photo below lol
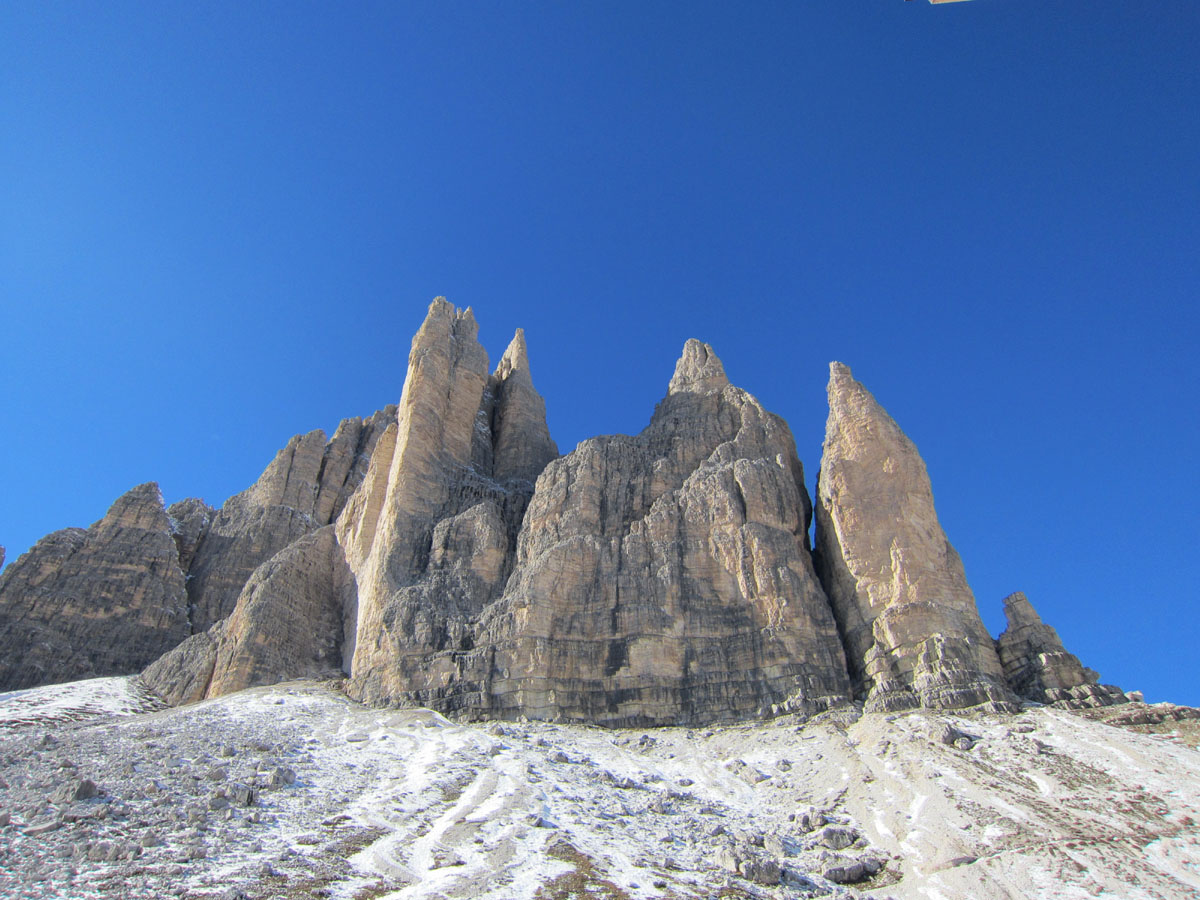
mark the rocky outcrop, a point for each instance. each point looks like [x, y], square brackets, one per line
[665, 578]
[288, 621]
[1038, 666]
[912, 632]
[432, 534]
[304, 488]
[190, 520]
[102, 601]
[182, 675]
[441, 553]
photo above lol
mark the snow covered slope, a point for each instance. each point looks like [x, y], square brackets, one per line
[294, 791]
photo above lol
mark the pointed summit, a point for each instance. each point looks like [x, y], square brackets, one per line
[1038, 666]
[139, 507]
[522, 444]
[698, 370]
[912, 631]
[515, 361]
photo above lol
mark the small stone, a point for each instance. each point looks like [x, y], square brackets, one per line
[837, 837]
[847, 874]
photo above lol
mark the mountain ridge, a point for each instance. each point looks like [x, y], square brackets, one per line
[442, 553]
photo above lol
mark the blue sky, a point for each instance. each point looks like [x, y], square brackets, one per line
[221, 224]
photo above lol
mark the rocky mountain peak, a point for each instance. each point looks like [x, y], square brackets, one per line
[139, 507]
[440, 552]
[1038, 666]
[515, 361]
[698, 370]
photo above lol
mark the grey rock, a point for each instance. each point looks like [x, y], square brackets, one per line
[1039, 668]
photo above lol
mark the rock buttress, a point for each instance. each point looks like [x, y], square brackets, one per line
[665, 578]
[102, 601]
[1038, 666]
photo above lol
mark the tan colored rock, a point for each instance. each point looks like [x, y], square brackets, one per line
[912, 630]
[431, 536]
[1038, 666]
[303, 489]
[523, 445]
[102, 601]
[665, 578]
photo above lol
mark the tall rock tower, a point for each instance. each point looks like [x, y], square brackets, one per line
[912, 632]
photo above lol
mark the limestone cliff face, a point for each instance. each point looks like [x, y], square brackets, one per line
[431, 536]
[304, 488]
[441, 553]
[665, 578]
[102, 601]
[912, 631]
[1038, 666]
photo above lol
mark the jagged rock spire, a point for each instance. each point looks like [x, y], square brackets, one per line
[912, 631]
[522, 445]
[434, 540]
[698, 370]
[1038, 666]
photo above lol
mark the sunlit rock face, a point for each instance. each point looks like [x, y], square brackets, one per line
[441, 553]
[1038, 666]
[665, 577]
[105, 600]
[912, 632]
[431, 538]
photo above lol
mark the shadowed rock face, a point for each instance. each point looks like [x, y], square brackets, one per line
[102, 601]
[912, 631]
[304, 488]
[1039, 668]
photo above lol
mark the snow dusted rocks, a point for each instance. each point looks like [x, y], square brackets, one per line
[293, 791]
[102, 601]
[1039, 668]
[912, 631]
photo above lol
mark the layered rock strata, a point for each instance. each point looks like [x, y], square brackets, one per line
[912, 632]
[1039, 668]
[666, 578]
[102, 601]
[441, 553]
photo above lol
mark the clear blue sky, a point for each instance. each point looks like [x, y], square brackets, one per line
[221, 223]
